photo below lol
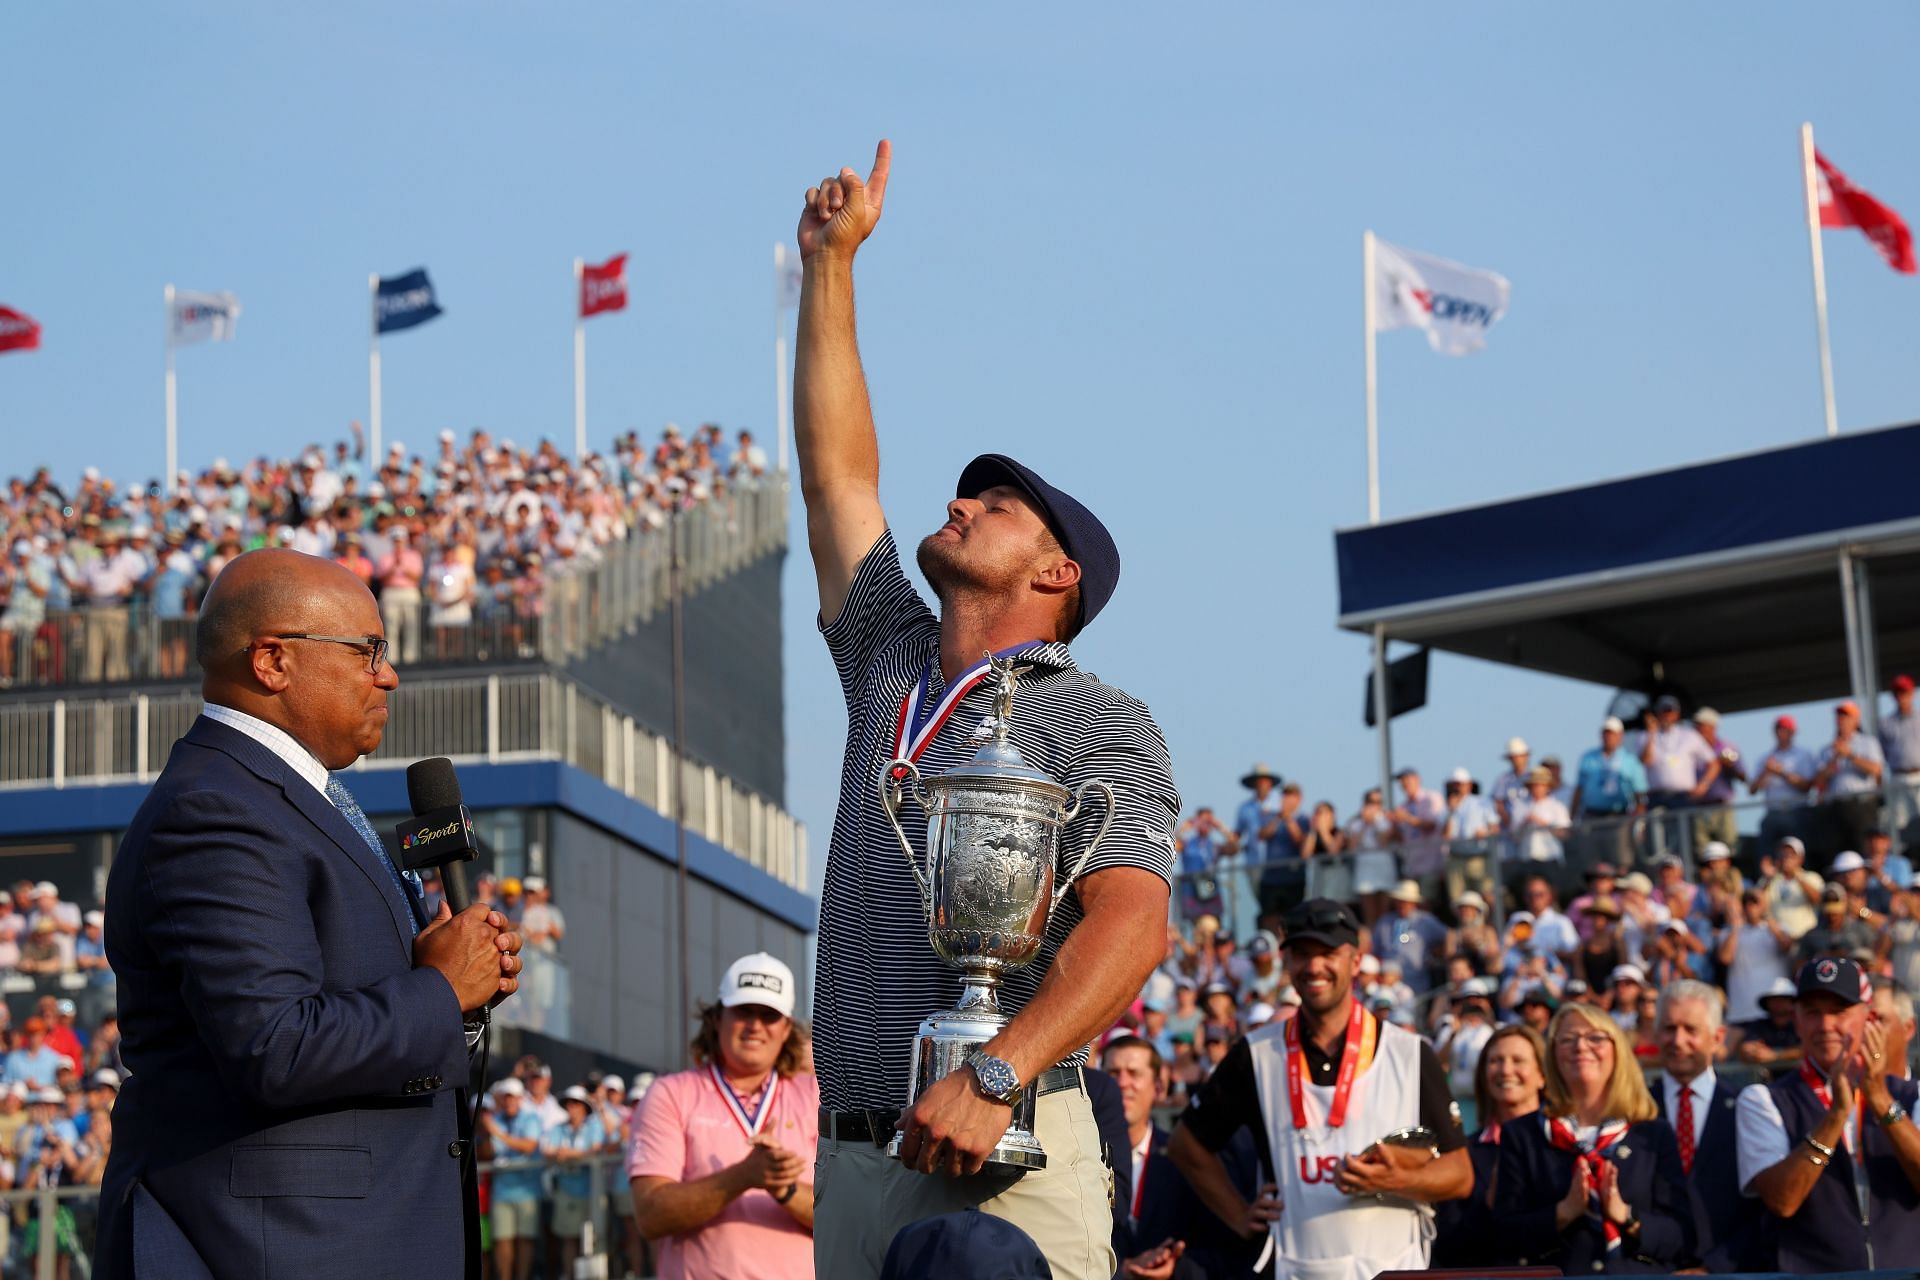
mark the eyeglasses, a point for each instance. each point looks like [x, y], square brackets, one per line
[376, 646]
[1593, 1043]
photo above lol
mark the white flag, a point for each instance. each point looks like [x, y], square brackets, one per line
[1456, 305]
[203, 317]
[786, 277]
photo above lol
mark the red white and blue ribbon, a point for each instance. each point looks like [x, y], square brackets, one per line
[921, 720]
[749, 1124]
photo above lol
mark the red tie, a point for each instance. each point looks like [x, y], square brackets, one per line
[1685, 1129]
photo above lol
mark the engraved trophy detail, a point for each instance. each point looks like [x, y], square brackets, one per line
[993, 837]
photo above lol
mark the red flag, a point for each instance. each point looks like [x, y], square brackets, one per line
[604, 288]
[1844, 205]
[18, 330]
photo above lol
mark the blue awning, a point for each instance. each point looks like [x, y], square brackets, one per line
[1720, 577]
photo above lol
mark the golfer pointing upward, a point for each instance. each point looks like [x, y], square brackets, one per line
[1019, 567]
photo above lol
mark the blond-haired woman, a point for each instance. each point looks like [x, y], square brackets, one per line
[1593, 1181]
[1509, 1082]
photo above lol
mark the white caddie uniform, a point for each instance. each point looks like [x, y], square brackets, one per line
[1323, 1233]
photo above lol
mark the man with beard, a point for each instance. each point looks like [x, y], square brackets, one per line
[1323, 1092]
[1831, 1149]
[1019, 567]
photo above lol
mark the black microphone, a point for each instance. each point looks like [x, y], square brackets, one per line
[440, 833]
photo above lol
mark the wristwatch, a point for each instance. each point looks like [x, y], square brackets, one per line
[1892, 1116]
[781, 1197]
[995, 1077]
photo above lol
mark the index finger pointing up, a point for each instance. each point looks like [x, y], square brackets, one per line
[877, 180]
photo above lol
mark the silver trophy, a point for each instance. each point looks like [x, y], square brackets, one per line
[993, 831]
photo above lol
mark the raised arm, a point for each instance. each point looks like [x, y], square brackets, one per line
[833, 420]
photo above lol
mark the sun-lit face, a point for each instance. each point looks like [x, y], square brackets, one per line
[995, 542]
[1585, 1055]
[1514, 1076]
[1689, 1038]
[1131, 1067]
[1829, 1027]
[751, 1037]
[1322, 975]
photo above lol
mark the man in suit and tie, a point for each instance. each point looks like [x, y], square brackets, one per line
[297, 1029]
[1730, 1230]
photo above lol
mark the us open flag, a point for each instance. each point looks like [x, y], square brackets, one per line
[18, 330]
[202, 317]
[1844, 205]
[1456, 305]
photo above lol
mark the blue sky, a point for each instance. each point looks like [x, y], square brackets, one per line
[1121, 243]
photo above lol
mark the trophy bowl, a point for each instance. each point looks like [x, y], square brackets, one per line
[993, 837]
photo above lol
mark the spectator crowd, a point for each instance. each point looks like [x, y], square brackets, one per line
[101, 582]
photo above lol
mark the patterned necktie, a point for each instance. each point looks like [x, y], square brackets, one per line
[1684, 1128]
[350, 810]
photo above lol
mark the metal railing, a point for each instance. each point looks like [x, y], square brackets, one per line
[581, 604]
[504, 717]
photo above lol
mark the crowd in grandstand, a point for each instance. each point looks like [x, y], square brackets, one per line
[457, 544]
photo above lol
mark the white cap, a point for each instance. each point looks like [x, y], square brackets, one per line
[1706, 715]
[613, 1082]
[49, 1095]
[446, 435]
[1261, 1014]
[1369, 963]
[534, 884]
[1781, 986]
[758, 979]
[1715, 852]
[1516, 747]
[509, 1088]
[95, 917]
[1520, 917]
[1845, 861]
[46, 886]
[1793, 843]
[641, 1083]
[1288, 998]
[1612, 725]
[574, 1093]
[1460, 775]
[107, 1077]
[1627, 973]
[1470, 899]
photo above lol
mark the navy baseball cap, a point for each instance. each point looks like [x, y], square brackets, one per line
[1082, 536]
[965, 1243]
[1837, 977]
[1324, 921]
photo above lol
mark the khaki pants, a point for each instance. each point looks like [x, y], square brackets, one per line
[862, 1196]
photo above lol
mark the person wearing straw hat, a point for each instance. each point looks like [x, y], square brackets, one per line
[569, 1145]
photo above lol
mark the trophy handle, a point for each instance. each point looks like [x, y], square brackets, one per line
[1073, 811]
[892, 796]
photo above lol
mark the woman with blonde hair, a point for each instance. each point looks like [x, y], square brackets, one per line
[1592, 1181]
[1509, 1082]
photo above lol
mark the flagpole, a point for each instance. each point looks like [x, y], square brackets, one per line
[373, 374]
[782, 403]
[1812, 183]
[173, 401]
[1380, 699]
[579, 369]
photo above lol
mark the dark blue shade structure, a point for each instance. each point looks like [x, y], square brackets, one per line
[1721, 578]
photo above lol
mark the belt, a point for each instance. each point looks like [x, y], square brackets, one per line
[875, 1124]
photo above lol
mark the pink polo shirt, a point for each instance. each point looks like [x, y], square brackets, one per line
[684, 1129]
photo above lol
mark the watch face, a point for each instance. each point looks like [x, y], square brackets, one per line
[996, 1077]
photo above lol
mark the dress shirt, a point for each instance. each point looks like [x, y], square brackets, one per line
[1140, 1151]
[1701, 1086]
[274, 739]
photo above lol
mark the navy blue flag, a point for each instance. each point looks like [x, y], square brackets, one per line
[404, 301]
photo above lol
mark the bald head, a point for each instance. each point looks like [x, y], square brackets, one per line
[295, 640]
[273, 589]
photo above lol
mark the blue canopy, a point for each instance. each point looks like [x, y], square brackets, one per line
[1721, 578]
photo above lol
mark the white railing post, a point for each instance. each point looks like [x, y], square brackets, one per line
[493, 718]
[610, 771]
[663, 764]
[59, 742]
[726, 816]
[140, 756]
[626, 755]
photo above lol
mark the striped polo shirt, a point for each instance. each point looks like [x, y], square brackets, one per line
[876, 975]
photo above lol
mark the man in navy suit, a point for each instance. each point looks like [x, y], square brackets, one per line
[293, 1022]
[1731, 1233]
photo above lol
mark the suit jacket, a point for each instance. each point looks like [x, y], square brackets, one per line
[1732, 1232]
[1170, 1210]
[293, 1106]
[1534, 1176]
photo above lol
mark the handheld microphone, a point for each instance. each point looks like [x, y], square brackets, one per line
[440, 833]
